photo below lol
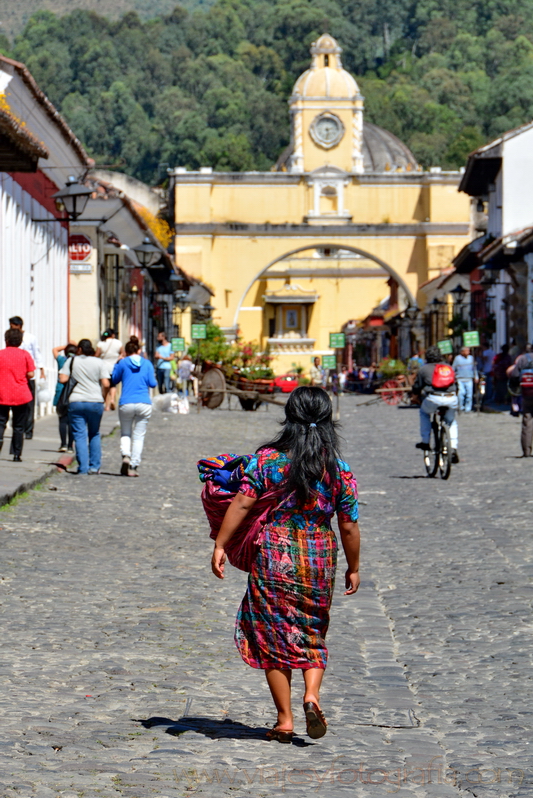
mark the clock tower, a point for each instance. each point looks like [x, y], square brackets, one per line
[326, 114]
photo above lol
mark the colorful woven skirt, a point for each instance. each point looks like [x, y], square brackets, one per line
[284, 615]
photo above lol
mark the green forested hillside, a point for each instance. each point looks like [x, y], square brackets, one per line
[210, 87]
[14, 14]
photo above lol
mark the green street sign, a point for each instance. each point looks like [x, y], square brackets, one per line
[445, 347]
[329, 361]
[471, 338]
[198, 331]
[177, 344]
[337, 341]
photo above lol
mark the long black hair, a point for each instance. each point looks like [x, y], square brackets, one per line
[308, 435]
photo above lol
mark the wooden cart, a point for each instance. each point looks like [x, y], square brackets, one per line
[251, 393]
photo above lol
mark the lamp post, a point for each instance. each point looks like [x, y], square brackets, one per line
[459, 294]
[73, 198]
[147, 253]
[436, 306]
[181, 299]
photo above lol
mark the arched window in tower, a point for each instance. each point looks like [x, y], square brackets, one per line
[326, 60]
[328, 200]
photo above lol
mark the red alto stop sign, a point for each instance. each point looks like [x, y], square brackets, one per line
[79, 247]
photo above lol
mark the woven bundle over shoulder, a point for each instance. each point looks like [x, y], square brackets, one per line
[222, 477]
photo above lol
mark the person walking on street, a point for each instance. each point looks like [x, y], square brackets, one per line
[16, 370]
[163, 357]
[500, 365]
[284, 615]
[137, 376]
[185, 370]
[466, 375]
[434, 396]
[109, 348]
[65, 430]
[86, 404]
[317, 373]
[486, 361]
[29, 344]
[522, 368]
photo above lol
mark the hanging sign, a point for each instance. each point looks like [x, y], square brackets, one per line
[198, 331]
[80, 248]
[177, 344]
[471, 338]
[445, 347]
[337, 340]
[329, 361]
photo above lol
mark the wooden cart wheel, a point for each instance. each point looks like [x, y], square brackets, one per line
[390, 393]
[212, 388]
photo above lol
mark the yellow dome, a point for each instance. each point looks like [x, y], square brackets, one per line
[326, 77]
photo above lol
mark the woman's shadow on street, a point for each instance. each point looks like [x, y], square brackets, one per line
[212, 728]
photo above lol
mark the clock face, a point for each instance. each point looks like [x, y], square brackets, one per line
[327, 130]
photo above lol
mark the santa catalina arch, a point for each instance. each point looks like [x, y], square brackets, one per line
[294, 253]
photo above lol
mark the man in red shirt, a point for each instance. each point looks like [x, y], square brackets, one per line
[16, 368]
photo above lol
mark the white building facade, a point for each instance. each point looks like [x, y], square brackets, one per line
[38, 152]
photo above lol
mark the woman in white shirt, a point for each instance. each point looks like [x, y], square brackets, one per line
[109, 349]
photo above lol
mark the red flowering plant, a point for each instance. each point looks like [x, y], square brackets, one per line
[250, 362]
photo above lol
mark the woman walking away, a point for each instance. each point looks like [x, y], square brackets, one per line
[137, 377]
[16, 369]
[65, 430]
[86, 404]
[284, 615]
[109, 349]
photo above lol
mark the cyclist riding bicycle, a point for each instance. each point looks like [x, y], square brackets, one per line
[436, 386]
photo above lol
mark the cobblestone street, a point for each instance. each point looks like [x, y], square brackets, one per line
[119, 676]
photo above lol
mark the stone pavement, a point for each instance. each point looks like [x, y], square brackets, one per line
[119, 676]
[40, 457]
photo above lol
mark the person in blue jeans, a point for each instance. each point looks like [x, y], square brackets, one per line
[163, 358]
[86, 404]
[466, 374]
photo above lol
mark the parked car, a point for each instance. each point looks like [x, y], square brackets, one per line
[285, 383]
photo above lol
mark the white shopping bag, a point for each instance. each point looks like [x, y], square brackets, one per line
[183, 406]
[43, 392]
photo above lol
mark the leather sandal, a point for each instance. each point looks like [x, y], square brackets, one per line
[316, 722]
[279, 735]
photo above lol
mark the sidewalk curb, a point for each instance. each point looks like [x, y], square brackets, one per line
[60, 466]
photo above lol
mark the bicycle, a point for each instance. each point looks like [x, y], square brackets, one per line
[438, 457]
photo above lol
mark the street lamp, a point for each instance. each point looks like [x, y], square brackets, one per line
[181, 299]
[459, 293]
[73, 198]
[147, 253]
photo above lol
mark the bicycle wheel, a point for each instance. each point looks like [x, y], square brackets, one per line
[445, 454]
[431, 455]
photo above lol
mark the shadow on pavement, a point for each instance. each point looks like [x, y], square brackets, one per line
[214, 729]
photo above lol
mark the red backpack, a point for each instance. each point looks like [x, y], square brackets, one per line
[443, 376]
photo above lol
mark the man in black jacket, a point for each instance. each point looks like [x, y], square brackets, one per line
[432, 397]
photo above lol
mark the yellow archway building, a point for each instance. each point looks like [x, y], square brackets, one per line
[294, 253]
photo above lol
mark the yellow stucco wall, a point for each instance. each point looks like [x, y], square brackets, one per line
[83, 291]
[413, 199]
